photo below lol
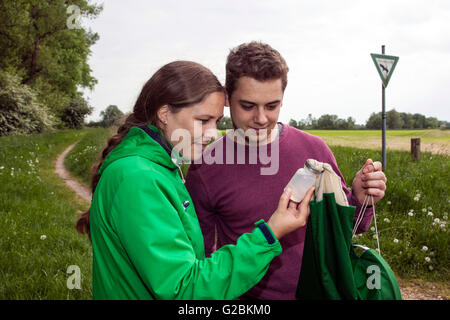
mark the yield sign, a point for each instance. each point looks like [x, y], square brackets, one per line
[385, 66]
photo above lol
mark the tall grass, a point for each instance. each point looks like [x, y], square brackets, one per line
[87, 152]
[38, 239]
[413, 216]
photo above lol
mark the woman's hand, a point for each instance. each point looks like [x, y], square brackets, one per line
[290, 215]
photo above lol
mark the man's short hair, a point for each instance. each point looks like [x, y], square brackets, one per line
[256, 60]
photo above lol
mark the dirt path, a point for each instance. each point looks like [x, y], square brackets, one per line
[411, 289]
[71, 182]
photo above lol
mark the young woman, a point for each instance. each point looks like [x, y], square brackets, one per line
[146, 239]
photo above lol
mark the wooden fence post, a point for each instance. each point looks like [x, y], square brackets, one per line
[415, 149]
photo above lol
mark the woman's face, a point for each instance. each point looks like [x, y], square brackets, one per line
[192, 128]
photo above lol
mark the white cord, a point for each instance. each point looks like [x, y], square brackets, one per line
[361, 215]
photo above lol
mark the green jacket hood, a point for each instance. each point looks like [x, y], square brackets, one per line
[137, 142]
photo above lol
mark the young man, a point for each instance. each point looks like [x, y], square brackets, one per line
[230, 195]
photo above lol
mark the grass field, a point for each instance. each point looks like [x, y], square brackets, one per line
[433, 140]
[37, 213]
[37, 221]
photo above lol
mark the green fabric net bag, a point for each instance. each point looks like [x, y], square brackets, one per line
[333, 267]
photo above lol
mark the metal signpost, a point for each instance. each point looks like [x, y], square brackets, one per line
[385, 66]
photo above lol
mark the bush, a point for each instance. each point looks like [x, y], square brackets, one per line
[111, 116]
[20, 111]
[74, 113]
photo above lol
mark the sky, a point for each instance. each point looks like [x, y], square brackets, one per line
[326, 44]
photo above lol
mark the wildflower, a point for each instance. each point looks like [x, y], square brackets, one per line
[372, 229]
[424, 210]
[395, 240]
[430, 214]
[411, 214]
[387, 220]
[389, 202]
[375, 236]
[437, 220]
[2, 167]
[427, 259]
[26, 233]
[416, 198]
[430, 208]
[43, 237]
[424, 248]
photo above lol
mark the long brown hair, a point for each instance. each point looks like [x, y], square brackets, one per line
[178, 84]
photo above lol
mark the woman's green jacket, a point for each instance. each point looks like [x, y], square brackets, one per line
[146, 238]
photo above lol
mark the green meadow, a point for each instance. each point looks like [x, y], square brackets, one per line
[38, 212]
[38, 239]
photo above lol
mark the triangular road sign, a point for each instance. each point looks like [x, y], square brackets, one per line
[385, 66]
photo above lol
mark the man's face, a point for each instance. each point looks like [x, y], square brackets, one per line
[256, 105]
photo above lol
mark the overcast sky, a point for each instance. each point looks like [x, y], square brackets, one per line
[327, 46]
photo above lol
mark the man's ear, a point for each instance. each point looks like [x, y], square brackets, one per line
[163, 113]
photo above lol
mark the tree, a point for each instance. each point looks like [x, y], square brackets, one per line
[36, 43]
[393, 120]
[74, 113]
[327, 122]
[110, 115]
[374, 121]
[293, 123]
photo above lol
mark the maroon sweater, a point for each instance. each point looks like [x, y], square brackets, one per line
[232, 196]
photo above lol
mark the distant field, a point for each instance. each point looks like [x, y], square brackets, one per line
[434, 141]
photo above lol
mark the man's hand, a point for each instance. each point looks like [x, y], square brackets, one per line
[369, 180]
